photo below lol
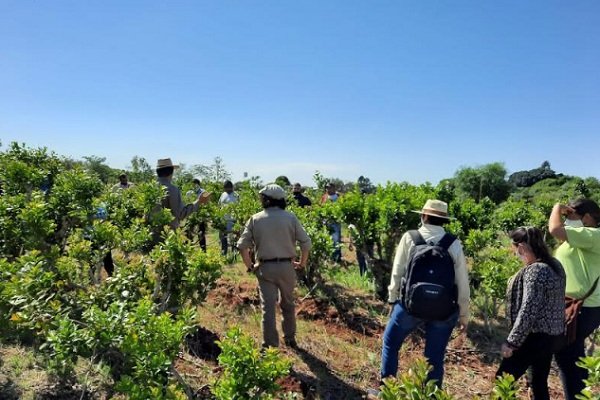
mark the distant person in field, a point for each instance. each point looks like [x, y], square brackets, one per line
[197, 190]
[300, 198]
[363, 247]
[227, 197]
[535, 309]
[123, 183]
[436, 293]
[335, 228]
[164, 170]
[273, 234]
[576, 226]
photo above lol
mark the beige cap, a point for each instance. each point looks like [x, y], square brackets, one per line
[273, 191]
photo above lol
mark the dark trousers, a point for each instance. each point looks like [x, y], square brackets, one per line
[109, 266]
[202, 235]
[360, 257]
[536, 352]
[571, 375]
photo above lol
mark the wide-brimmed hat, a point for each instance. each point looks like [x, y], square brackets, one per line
[165, 163]
[435, 208]
[273, 191]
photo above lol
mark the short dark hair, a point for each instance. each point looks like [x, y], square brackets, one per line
[586, 206]
[123, 175]
[164, 172]
[227, 184]
[267, 202]
[196, 180]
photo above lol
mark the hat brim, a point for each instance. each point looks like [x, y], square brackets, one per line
[175, 166]
[433, 215]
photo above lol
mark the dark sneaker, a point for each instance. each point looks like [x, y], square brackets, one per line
[291, 343]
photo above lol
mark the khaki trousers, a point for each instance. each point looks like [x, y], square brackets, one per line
[276, 281]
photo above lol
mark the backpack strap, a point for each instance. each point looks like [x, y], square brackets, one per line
[446, 241]
[416, 237]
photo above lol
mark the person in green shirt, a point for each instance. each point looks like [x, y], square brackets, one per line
[576, 225]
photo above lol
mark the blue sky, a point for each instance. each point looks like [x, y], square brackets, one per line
[393, 90]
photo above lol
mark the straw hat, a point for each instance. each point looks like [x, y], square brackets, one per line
[435, 208]
[164, 163]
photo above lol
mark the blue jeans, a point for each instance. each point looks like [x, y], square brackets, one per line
[437, 335]
[336, 237]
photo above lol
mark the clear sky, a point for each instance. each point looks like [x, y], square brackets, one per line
[393, 90]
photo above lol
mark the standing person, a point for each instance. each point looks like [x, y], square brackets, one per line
[173, 201]
[273, 234]
[454, 299]
[123, 183]
[198, 191]
[536, 311]
[227, 197]
[301, 199]
[335, 228]
[363, 247]
[580, 256]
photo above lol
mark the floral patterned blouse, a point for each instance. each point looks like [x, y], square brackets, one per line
[536, 301]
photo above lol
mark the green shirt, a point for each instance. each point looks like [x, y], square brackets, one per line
[580, 257]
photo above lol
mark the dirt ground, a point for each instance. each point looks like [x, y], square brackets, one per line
[339, 334]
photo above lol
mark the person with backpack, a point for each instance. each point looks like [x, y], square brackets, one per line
[535, 307]
[429, 287]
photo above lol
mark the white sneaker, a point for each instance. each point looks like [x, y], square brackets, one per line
[373, 394]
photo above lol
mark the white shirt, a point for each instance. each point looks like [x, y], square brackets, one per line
[461, 276]
[228, 198]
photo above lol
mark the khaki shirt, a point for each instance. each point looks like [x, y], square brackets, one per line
[432, 233]
[174, 203]
[273, 233]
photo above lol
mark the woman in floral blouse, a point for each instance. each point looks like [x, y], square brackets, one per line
[536, 310]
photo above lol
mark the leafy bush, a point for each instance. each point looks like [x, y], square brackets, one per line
[492, 268]
[592, 383]
[248, 373]
[477, 240]
[505, 388]
[56, 227]
[413, 384]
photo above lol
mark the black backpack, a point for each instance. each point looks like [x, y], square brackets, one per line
[428, 289]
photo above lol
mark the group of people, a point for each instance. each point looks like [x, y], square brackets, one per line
[436, 296]
[536, 305]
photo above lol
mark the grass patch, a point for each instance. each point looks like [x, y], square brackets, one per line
[350, 278]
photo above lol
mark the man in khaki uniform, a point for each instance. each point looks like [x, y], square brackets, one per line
[273, 234]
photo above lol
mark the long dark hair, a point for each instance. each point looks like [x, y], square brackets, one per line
[534, 238]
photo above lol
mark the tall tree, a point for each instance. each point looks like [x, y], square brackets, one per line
[140, 170]
[488, 180]
[216, 172]
[98, 166]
